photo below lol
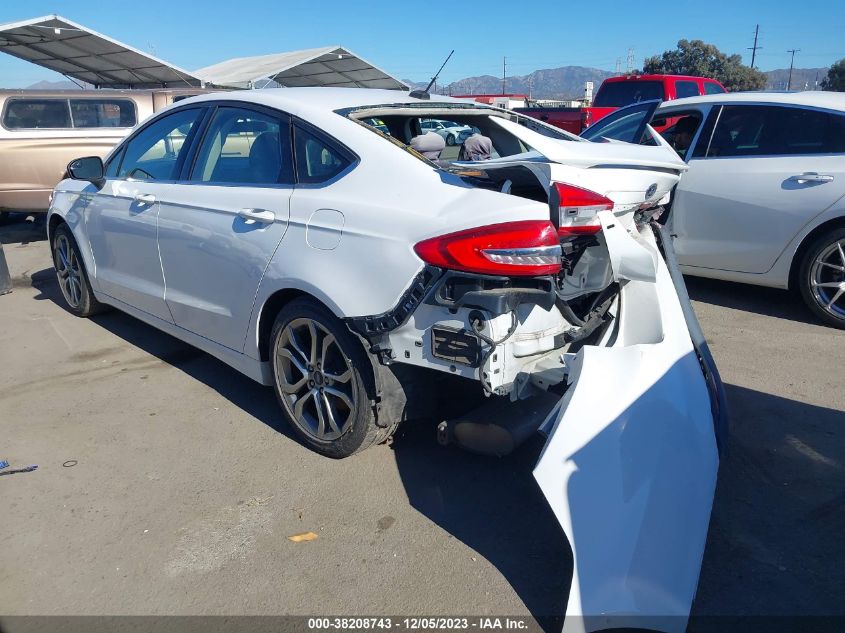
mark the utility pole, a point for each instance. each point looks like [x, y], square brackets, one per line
[504, 72]
[618, 65]
[630, 63]
[754, 48]
[530, 83]
[791, 64]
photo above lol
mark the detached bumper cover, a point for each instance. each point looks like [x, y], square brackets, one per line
[630, 465]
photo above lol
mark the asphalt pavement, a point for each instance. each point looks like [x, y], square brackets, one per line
[167, 483]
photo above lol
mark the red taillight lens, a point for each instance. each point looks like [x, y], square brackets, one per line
[586, 118]
[577, 209]
[526, 248]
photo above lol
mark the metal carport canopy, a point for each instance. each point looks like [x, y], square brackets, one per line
[328, 66]
[78, 52]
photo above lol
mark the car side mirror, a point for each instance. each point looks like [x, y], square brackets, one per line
[89, 168]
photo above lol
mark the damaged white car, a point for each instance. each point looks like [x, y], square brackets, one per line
[320, 255]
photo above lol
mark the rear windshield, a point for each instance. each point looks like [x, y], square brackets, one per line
[417, 127]
[618, 94]
[58, 113]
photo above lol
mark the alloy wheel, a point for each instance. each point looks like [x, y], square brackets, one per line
[315, 379]
[827, 279]
[69, 271]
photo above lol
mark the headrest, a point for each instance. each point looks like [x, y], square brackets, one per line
[429, 144]
[478, 147]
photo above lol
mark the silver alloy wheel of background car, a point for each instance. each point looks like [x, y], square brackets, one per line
[68, 270]
[315, 379]
[827, 278]
[450, 140]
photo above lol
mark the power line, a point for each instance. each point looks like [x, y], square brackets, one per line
[791, 64]
[754, 48]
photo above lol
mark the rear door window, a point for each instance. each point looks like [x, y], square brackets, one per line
[247, 147]
[35, 114]
[157, 151]
[767, 130]
[617, 94]
[686, 89]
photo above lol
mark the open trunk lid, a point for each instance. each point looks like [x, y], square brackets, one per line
[632, 176]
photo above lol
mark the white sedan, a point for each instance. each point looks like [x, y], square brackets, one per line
[280, 232]
[764, 199]
[451, 132]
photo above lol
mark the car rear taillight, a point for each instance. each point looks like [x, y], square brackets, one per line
[577, 209]
[526, 248]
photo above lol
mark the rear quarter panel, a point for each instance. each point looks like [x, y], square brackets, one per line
[390, 201]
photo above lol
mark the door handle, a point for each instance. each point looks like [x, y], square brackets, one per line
[257, 215]
[145, 198]
[811, 176]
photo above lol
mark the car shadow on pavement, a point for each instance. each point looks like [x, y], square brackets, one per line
[495, 507]
[18, 229]
[775, 545]
[255, 399]
[492, 505]
[773, 302]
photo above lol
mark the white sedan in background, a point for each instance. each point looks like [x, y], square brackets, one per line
[451, 132]
[282, 233]
[763, 201]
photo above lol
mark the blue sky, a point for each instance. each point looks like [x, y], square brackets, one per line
[410, 39]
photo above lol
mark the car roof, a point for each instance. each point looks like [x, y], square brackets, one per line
[299, 100]
[657, 77]
[819, 99]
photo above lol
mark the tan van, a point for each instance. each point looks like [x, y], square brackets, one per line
[41, 131]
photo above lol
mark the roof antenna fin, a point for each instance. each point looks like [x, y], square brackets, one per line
[424, 94]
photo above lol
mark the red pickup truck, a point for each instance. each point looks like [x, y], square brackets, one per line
[617, 92]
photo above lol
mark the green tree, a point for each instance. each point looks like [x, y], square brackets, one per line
[705, 60]
[835, 79]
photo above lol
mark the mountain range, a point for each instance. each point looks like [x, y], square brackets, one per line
[566, 82]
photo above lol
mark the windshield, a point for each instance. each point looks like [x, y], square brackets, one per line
[627, 124]
[617, 94]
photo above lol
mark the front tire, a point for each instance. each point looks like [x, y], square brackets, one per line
[71, 274]
[822, 277]
[320, 375]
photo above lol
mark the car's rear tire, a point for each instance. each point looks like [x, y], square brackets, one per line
[71, 274]
[821, 277]
[321, 376]
[450, 140]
